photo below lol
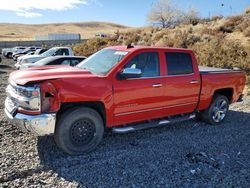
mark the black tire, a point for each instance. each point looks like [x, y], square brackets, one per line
[213, 115]
[79, 131]
[9, 55]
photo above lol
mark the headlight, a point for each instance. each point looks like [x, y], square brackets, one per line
[28, 92]
[26, 98]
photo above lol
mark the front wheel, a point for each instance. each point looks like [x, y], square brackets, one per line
[79, 130]
[9, 55]
[217, 111]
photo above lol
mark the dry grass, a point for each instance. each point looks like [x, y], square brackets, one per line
[213, 46]
[28, 32]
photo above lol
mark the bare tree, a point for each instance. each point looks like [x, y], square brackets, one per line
[164, 14]
[192, 16]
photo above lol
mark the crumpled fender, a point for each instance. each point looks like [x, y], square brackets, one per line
[49, 97]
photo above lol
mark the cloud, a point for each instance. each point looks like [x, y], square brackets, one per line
[28, 14]
[28, 8]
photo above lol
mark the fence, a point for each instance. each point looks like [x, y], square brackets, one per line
[45, 43]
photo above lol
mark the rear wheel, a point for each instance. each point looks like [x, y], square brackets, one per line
[79, 130]
[217, 111]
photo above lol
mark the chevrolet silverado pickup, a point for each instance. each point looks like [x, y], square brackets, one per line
[119, 88]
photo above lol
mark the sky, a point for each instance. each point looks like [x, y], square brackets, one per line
[125, 12]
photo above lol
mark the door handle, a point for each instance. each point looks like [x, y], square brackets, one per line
[194, 82]
[157, 85]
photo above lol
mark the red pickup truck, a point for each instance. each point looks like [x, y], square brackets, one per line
[121, 88]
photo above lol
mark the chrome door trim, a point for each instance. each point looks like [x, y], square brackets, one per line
[153, 109]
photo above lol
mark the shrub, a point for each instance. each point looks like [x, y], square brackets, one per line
[222, 53]
[226, 29]
[247, 10]
[215, 18]
[212, 46]
[231, 24]
[208, 31]
[91, 46]
[247, 31]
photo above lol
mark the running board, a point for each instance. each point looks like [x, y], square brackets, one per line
[126, 129]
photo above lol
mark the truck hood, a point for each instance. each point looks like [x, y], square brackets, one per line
[38, 74]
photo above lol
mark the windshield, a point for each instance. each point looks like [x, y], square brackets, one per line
[103, 61]
[50, 52]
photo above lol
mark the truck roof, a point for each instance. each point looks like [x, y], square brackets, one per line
[135, 48]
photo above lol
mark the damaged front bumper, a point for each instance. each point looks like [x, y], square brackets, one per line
[40, 125]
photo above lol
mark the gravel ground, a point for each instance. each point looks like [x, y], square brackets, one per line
[188, 154]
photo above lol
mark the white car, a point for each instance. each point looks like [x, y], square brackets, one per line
[7, 52]
[55, 51]
[54, 61]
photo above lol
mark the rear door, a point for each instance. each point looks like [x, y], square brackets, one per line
[182, 83]
[138, 99]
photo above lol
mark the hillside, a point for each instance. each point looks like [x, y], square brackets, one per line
[218, 42]
[15, 31]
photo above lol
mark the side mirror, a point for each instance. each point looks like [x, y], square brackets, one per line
[129, 73]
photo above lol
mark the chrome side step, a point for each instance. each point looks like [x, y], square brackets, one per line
[127, 129]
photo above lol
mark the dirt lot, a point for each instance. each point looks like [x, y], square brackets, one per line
[188, 154]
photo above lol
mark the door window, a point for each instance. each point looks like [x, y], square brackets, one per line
[147, 62]
[179, 63]
[62, 52]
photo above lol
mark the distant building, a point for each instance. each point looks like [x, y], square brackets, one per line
[58, 36]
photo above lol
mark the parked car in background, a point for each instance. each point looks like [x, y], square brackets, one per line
[55, 51]
[8, 52]
[24, 52]
[39, 51]
[120, 88]
[53, 60]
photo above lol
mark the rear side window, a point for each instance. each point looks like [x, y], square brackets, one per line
[179, 63]
[65, 52]
[62, 52]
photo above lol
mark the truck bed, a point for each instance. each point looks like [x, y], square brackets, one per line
[207, 70]
[214, 79]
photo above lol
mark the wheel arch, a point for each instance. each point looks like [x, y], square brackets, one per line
[95, 105]
[227, 92]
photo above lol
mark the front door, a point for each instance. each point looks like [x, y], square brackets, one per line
[139, 99]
